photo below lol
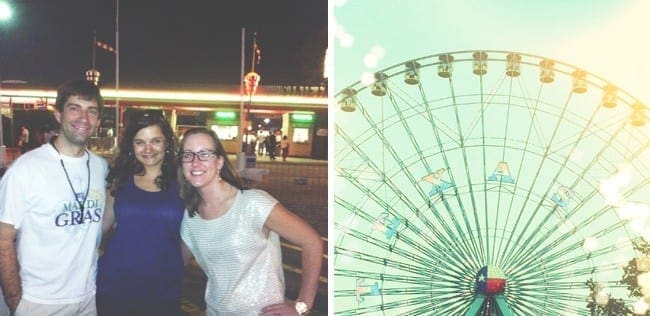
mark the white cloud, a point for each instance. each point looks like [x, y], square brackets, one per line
[374, 56]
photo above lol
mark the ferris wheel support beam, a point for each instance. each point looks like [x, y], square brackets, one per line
[476, 305]
[479, 299]
[503, 306]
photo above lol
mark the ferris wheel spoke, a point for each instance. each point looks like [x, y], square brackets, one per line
[445, 238]
[372, 194]
[427, 246]
[452, 213]
[398, 292]
[489, 242]
[536, 176]
[536, 305]
[556, 269]
[480, 234]
[503, 257]
[477, 245]
[580, 177]
[501, 247]
[552, 251]
[425, 263]
[403, 281]
[543, 237]
[493, 256]
[390, 307]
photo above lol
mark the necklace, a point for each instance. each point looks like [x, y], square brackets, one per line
[85, 196]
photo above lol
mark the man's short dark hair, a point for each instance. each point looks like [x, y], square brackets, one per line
[81, 88]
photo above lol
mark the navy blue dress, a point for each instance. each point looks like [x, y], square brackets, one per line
[141, 270]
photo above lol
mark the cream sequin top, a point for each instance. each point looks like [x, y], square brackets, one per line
[244, 267]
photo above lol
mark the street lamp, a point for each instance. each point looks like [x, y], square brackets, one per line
[5, 11]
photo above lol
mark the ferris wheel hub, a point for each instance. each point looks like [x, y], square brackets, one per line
[490, 281]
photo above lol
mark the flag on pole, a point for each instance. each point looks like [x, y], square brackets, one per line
[258, 52]
[105, 46]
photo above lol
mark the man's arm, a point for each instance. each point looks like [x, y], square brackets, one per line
[108, 220]
[9, 278]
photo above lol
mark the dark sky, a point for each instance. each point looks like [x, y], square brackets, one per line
[164, 43]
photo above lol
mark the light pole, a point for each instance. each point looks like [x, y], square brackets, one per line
[5, 14]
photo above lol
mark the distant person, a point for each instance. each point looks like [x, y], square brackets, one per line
[52, 198]
[261, 144]
[284, 145]
[141, 270]
[50, 131]
[44, 134]
[49, 135]
[109, 142]
[271, 144]
[23, 139]
[278, 139]
[251, 142]
[234, 234]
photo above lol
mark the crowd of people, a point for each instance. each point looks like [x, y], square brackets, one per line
[28, 140]
[269, 143]
[81, 237]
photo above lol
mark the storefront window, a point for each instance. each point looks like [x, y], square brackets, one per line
[300, 135]
[225, 132]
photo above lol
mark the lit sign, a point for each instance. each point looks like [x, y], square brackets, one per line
[225, 116]
[302, 117]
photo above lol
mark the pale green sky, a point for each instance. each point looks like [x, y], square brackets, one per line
[602, 37]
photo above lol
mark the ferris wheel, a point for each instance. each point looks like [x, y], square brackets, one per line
[487, 183]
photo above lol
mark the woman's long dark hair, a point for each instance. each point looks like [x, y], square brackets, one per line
[228, 173]
[126, 165]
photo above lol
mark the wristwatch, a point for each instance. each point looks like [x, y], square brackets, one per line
[302, 308]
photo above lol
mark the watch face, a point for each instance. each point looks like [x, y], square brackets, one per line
[301, 307]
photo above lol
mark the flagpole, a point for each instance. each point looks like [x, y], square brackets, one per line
[254, 51]
[94, 47]
[241, 90]
[250, 93]
[117, 72]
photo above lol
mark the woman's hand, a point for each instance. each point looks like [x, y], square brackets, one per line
[286, 308]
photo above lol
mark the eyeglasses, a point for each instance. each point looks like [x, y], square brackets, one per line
[203, 155]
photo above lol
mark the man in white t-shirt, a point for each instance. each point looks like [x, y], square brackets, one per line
[51, 209]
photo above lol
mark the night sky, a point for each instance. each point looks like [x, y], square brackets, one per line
[164, 43]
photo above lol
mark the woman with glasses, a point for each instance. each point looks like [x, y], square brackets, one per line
[234, 234]
[141, 270]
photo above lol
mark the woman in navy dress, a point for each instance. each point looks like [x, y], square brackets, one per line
[141, 270]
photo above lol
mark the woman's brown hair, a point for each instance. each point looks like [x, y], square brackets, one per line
[228, 173]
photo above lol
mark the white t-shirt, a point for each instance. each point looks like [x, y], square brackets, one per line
[56, 245]
[244, 267]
